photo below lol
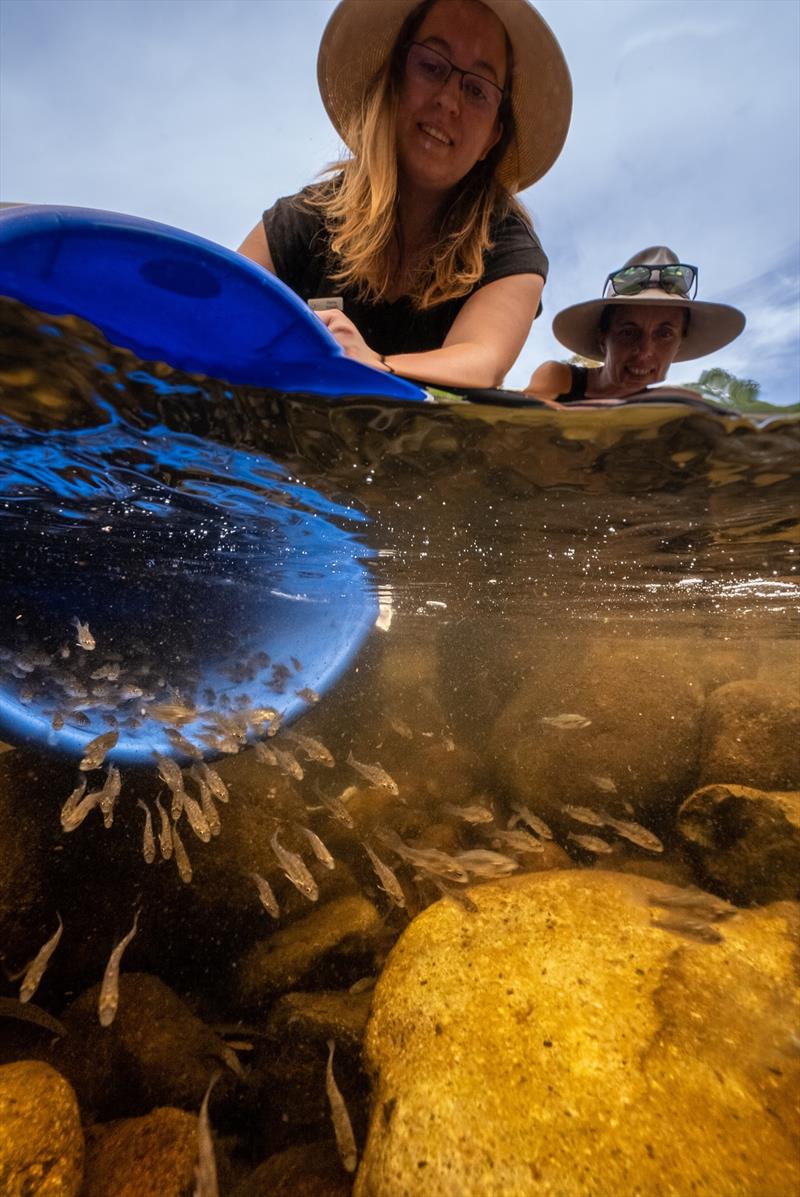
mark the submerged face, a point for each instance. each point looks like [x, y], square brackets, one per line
[640, 344]
[442, 133]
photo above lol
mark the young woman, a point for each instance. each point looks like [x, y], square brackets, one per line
[448, 107]
[647, 320]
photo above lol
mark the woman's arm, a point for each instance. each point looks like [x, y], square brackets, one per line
[485, 339]
[481, 346]
[256, 247]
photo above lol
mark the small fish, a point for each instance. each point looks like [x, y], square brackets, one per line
[336, 808]
[318, 848]
[362, 985]
[165, 833]
[606, 784]
[109, 990]
[481, 862]
[401, 728]
[181, 857]
[296, 665]
[205, 1182]
[689, 928]
[566, 722]
[260, 716]
[314, 749]
[636, 834]
[459, 896]
[148, 839]
[96, 750]
[68, 809]
[35, 970]
[307, 694]
[109, 794]
[387, 877]
[197, 820]
[109, 672]
[520, 841]
[275, 725]
[537, 825]
[181, 744]
[697, 902]
[430, 860]
[215, 783]
[14, 1008]
[58, 721]
[268, 899]
[289, 764]
[84, 638]
[342, 1126]
[265, 753]
[584, 814]
[172, 712]
[591, 843]
[376, 775]
[470, 814]
[206, 801]
[295, 869]
[171, 775]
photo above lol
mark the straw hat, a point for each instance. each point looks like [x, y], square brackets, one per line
[711, 325]
[361, 34]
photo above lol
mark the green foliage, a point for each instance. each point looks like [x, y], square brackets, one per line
[737, 394]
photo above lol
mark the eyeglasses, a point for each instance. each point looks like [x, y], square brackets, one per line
[429, 66]
[631, 280]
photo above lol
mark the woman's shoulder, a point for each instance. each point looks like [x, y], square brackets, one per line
[515, 247]
[304, 205]
[551, 380]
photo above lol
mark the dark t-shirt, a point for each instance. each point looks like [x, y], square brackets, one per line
[300, 249]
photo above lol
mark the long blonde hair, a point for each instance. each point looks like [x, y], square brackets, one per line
[360, 202]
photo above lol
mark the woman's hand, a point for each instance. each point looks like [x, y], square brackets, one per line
[350, 339]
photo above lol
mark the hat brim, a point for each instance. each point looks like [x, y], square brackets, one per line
[361, 34]
[711, 325]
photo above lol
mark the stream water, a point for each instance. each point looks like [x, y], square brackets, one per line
[487, 607]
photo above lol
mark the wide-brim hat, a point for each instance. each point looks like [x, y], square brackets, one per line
[361, 34]
[711, 325]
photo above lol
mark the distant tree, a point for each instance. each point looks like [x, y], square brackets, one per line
[738, 394]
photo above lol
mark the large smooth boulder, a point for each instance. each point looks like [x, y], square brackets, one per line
[559, 1042]
[633, 738]
[41, 1141]
[751, 732]
[153, 1156]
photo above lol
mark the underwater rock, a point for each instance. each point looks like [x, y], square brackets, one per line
[152, 1156]
[305, 1170]
[155, 1053]
[21, 878]
[751, 730]
[560, 1043]
[344, 928]
[610, 725]
[746, 841]
[41, 1141]
[333, 1014]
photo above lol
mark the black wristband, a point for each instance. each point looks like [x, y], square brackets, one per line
[386, 364]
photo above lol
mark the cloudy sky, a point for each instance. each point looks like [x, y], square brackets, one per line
[199, 113]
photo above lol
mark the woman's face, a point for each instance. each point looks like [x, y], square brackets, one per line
[440, 137]
[641, 344]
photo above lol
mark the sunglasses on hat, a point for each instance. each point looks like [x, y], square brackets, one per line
[631, 280]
